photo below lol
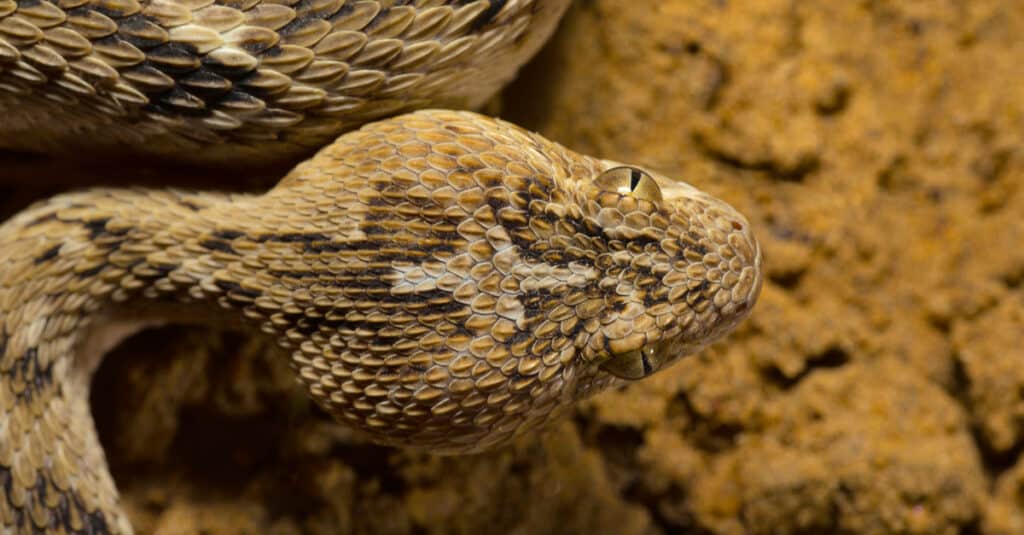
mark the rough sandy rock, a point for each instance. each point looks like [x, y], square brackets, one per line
[990, 353]
[861, 449]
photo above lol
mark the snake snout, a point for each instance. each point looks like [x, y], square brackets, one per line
[733, 271]
[709, 285]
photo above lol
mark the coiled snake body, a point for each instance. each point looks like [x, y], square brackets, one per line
[234, 81]
[439, 280]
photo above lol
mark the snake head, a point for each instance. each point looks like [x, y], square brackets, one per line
[681, 269]
[459, 280]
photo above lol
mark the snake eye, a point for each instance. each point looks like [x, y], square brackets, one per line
[630, 181]
[635, 364]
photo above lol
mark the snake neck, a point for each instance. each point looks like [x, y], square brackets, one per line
[70, 265]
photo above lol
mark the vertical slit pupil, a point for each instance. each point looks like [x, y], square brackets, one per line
[645, 364]
[634, 179]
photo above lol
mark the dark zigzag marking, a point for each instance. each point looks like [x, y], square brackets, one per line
[93, 523]
[308, 325]
[25, 366]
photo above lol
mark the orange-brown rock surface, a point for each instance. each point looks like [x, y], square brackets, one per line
[878, 387]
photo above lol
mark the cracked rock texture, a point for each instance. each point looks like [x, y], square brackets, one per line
[878, 387]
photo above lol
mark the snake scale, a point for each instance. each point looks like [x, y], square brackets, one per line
[438, 279]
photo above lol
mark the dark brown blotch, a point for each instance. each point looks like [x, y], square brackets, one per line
[47, 255]
[487, 15]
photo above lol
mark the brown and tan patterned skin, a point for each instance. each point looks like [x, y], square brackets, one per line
[440, 280]
[245, 81]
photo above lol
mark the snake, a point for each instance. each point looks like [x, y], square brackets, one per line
[437, 279]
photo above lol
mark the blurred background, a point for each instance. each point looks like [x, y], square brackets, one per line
[878, 387]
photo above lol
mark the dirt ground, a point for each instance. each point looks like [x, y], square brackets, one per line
[877, 388]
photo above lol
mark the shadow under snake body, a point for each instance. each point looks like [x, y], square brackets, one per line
[440, 280]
